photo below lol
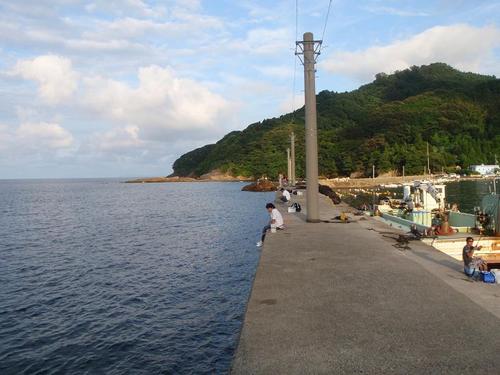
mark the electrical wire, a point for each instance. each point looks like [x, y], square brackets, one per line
[296, 19]
[295, 59]
[326, 19]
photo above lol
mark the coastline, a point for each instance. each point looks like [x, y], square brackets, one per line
[149, 180]
[338, 183]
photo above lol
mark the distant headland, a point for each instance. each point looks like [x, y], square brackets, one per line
[213, 176]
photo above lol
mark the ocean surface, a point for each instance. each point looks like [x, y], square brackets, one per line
[102, 277]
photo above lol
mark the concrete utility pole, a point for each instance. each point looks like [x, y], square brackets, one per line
[292, 150]
[289, 164]
[373, 170]
[309, 48]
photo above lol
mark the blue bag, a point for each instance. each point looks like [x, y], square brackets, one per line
[488, 277]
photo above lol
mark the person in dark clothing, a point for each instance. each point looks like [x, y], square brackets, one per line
[472, 263]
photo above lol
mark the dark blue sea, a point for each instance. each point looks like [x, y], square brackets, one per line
[102, 277]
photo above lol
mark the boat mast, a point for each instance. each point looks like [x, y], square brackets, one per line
[428, 163]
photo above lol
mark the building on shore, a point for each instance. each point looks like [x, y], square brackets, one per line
[485, 169]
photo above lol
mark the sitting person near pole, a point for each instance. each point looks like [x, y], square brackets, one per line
[472, 263]
[276, 220]
[285, 195]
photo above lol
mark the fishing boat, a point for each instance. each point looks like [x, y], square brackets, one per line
[424, 209]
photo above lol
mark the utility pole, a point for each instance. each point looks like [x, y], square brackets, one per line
[292, 150]
[310, 48]
[289, 164]
[373, 171]
[403, 173]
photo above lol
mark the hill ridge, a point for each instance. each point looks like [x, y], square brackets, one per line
[387, 122]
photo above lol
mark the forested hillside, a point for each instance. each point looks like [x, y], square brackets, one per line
[386, 123]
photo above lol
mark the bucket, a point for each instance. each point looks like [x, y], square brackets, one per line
[291, 209]
[496, 272]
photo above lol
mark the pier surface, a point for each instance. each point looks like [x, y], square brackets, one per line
[334, 298]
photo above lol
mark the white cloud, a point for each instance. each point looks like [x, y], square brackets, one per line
[54, 74]
[117, 140]
[185, 25]
[43, 136]
[161, 106]
[278, 71]
[462, 46]
[89, 42]
[266, 41]
[34, 140]
[396, 11]
[138, 7]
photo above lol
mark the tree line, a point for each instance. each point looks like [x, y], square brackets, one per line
[388, 123]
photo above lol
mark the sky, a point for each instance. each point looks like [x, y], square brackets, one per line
[122, 88]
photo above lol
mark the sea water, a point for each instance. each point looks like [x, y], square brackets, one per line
[98, 276]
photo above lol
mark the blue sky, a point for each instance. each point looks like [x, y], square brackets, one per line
[117, 88]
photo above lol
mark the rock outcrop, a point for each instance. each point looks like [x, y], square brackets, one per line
[217, 175]
[161, 179]
[261, 185]
[328, 191]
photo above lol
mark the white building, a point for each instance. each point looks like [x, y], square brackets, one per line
[485, 169]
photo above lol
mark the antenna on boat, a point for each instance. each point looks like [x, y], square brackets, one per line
[292, 159]
[428, 163]
[289, 164]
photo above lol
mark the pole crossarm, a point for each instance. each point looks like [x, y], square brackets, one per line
[299, 49]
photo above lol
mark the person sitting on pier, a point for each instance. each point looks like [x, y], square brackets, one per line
[285, 195]
[276, 220]
[472, 263]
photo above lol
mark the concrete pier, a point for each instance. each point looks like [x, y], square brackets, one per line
[334, 298]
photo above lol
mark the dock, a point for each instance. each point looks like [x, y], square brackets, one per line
[340, 298]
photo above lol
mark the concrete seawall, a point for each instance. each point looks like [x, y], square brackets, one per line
[333, 298]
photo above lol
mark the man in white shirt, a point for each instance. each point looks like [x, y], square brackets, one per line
[285, 195]
[276, 220]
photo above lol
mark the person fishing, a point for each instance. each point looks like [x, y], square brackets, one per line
[285, 195]
[276, 220]
[472, 263]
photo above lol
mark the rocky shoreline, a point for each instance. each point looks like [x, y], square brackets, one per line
[338, 183]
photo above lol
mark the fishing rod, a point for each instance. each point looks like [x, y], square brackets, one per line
[479, 240]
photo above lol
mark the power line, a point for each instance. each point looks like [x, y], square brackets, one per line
[295, 59]
[294, 88]
[326, 20]
[296, 19]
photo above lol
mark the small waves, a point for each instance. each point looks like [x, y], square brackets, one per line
[123, 278]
